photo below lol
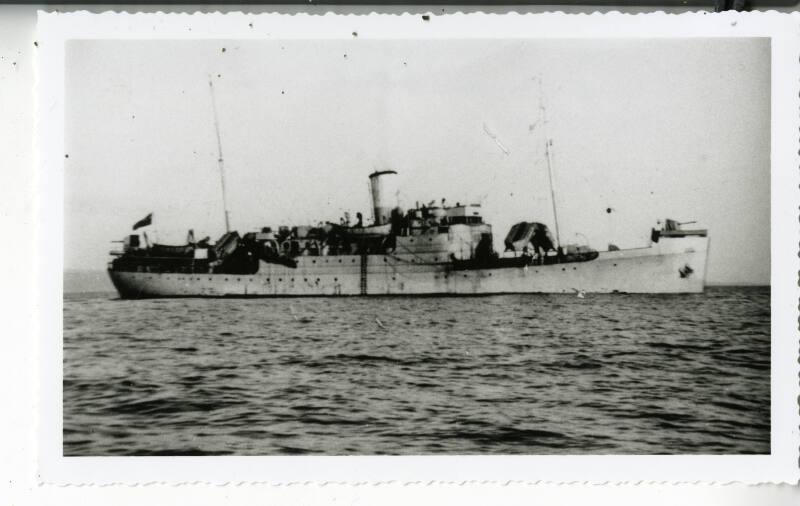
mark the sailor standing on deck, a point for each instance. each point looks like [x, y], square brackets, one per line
[526, 255]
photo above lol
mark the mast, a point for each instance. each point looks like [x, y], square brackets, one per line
[220, 161]
[547, 143]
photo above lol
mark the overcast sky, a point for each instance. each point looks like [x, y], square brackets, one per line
[649, 128]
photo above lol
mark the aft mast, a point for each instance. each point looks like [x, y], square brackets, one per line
[220, 161]
[547, 144]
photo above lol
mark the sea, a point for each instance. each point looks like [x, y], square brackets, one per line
[507, 374]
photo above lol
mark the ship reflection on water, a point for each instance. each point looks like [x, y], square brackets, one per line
[511, 374]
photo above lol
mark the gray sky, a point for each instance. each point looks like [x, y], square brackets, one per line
[651, 128]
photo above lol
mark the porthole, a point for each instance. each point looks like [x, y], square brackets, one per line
[305, 279]
[490, 274]
[209, 279]
[384, 259]
[336, 279]
[435, 259]
[280, 279]
[615, 265]
[465, 275]
[340, 260]
[292, 280]
[317, 280]
[394, 278]
[563, 268]
[226, 279]
[238, 279]
[354, 260]
[313, 261]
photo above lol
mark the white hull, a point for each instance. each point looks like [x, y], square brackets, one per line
[660, 268]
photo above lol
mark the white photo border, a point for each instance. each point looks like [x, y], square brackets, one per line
[781, 466]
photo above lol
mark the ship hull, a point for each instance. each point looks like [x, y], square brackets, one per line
[671, 266]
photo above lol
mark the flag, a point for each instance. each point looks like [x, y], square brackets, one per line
[144, 221]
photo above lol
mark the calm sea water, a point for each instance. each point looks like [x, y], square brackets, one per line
[516, 374]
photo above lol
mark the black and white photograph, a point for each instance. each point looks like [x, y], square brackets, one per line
[417, 246]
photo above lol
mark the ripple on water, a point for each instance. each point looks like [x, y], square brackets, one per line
[543, 374]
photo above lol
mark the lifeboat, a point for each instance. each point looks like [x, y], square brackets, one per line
[369, 231]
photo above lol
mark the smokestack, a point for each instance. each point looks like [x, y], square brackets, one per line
[383, 185]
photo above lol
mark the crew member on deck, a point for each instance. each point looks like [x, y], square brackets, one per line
[526, 255]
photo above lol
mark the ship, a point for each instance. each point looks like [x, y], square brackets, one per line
[428, 249]
[434, 249]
